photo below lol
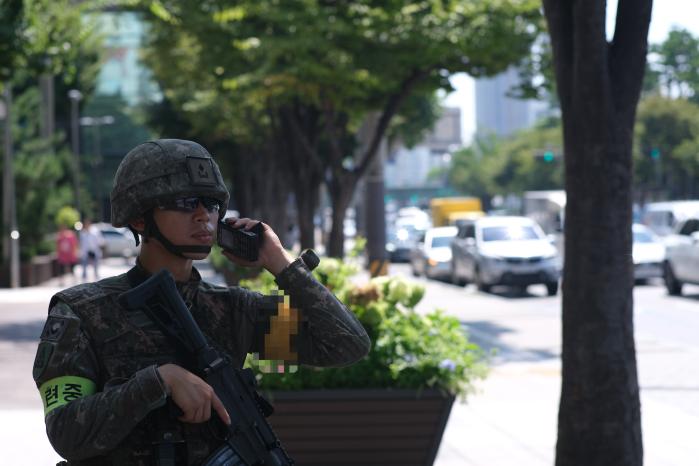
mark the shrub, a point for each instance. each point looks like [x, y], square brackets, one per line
[232, 272]
[67, 217]
[409, 349]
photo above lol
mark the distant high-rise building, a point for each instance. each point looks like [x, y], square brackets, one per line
[499, 114]
[414, 174]
[123, 73]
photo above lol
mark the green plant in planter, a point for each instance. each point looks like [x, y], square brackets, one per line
[409, 349]
[232, 272]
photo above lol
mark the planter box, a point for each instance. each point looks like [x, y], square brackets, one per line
[370, 427]
[43, 268]
[38, 270]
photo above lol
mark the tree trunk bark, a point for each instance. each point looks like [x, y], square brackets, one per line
[599, 421]
[261, 188]
[306, 205]
[341, 191]
[297, 128]
[599, 416]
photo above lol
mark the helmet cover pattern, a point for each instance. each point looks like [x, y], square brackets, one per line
[163, 170]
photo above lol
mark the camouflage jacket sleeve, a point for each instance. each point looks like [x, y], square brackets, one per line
[329, 334]
[83, 419]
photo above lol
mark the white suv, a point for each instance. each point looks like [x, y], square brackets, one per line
[682, 257]
[504, 251]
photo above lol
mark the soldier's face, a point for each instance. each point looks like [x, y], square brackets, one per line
[196, 228]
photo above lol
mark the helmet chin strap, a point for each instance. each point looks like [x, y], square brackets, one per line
[152, 231]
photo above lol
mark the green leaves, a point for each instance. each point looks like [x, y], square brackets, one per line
[11, 16]
[44, 37]
[675, 64]
[347, 54]
[409, 349]
[67, 217]
[670, 126]
[493, 166]
[295, 80]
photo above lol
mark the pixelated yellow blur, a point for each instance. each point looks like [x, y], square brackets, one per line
[282, 327]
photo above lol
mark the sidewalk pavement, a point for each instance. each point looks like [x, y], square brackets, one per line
[510, 420]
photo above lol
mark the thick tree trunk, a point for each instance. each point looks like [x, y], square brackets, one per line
[599, 416]
[261, 188]
[599, 420]
[306, 205]
[297, 129]
[341, 191]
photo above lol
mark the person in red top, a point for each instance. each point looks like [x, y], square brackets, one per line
[66, 250]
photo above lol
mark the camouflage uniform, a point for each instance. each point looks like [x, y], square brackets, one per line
[96, 362]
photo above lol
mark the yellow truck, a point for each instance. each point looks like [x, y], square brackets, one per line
[452, 210]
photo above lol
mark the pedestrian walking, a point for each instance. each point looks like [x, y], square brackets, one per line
[106, 373]
[91, 242]
[66, 251]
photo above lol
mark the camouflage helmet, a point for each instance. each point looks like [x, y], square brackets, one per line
[160, 171]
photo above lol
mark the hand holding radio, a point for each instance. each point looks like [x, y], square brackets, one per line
[240, 242]
[252, 243]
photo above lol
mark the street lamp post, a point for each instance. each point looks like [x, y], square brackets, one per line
[75, 96]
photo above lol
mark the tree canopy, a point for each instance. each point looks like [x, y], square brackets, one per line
[49, 38]
[673, 67]
[310, 73]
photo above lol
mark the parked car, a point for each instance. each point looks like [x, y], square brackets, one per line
[431, 255]
[118, 242]
[648, 253]
[506, 250]
[682, 256]
[663, 217]
[399, 243]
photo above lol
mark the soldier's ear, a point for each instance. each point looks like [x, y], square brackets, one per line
[138, 224]
[137, 227]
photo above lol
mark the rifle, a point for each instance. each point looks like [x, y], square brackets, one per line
[249, 433]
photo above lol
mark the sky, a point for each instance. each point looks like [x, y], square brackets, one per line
[665, 15]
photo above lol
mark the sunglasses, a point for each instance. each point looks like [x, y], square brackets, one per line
[190, 204]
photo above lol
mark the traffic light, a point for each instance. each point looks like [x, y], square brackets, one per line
[655, 153]
[549, 155]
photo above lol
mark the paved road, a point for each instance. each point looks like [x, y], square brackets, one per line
[510, 420]
[517, 405]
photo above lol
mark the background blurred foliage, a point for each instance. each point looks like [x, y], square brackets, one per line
[296, 82]
[280, 91]
[67, 217]
[498, 166]
[57, 38]
[666, 142]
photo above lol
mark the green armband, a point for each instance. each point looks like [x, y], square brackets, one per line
[62, 390]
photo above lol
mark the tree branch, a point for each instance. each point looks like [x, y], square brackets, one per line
[627, 57]
[390, 109]
[306, 145]
[336, 155]
[559, 18]
[590, 61]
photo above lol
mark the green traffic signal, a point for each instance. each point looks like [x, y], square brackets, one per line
[548, 156]
[655, 153]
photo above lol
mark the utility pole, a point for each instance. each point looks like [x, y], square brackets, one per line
[75, 96]
[10, 232]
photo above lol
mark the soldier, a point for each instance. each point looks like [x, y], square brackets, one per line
[105, 373]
